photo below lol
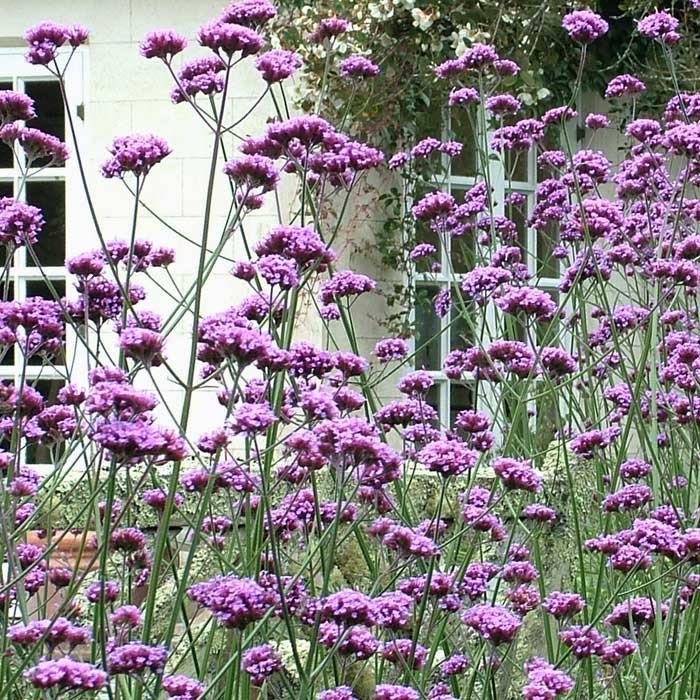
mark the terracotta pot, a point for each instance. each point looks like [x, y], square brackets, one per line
[74, 551]
[77, 552]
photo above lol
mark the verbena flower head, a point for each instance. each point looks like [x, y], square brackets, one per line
[597, 121]
[385, 691]
[448, 457]
[235, 602]
[249, 13]
[44, 40]
[260, 663]
[229, 39]
[135, 154]
[134, 658]
[584, 641]
[37, 145]
[463, 96]
[342, 692]
[545, 681]
[15, 106]
[182, 687]
[163, 44]
[20, 223]
[277, 65]
[66, 674]
[493, 623]
[357, 66]
[253, 172]
[623, 85]
[328, 29]
[562, 605]
[584, 26]
[661, 26]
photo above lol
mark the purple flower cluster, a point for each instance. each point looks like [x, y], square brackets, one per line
[235, 602]
[135, 154]
[46, 38]
[584, 26]
[545, 681]
[66, 674]
[260, 663]
[357, 66]
[163, 44]
[134, 658]
[277, 65]
[493, 623]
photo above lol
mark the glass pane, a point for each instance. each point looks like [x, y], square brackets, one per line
[462, 248]
[39, 288]
[516, 164]
[551, 143]
[50, 197]
[461, 399]
[462, 130]
[48, 105]
[48, 388]
[433, 396]
[547, 333]
[7, 355]
[547, 264]
[5, 151]
[428, 329]
[517, 213]
[461, 328]
[6, 190]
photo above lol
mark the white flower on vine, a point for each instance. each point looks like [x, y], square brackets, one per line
[423, 20]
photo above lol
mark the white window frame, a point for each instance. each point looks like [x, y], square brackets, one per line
[501, 186]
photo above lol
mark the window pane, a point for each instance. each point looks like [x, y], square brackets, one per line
[427, 330]
[5, 151]
[39, 288]
[48, 388]
[517, 213]
[7, 355]
[551, 143]
[50, 197]
[462, 248]
[461, 129]
[547, 264]
[6, 190]
[461, 399]
[516, 164]
[433, 396]
[461, 328]
[48, 105]
[547, 333]
[463, 254]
